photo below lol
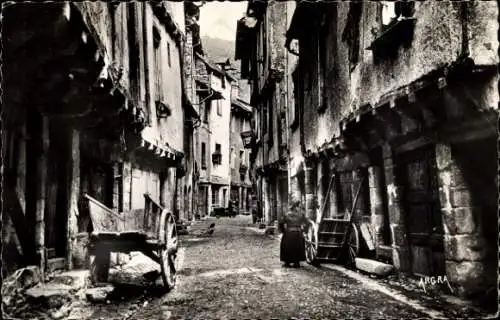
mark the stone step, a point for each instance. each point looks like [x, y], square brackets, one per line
[51, 295]
[75, 279]
[56, 264]
[373, 267]
[331, 220]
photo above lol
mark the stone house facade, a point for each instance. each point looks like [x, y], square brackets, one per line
[214, 85]
[398, 99]
[95, 104]
[241, 115]
[260, 47]
[192, 46]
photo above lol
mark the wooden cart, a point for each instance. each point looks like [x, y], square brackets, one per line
[333, 239]
[157, 239]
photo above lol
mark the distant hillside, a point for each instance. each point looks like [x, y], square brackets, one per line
[219, 50]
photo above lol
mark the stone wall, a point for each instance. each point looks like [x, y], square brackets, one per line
[324, 110]
[167, 130]
[467, 187]
[400, 250]
[437, 39]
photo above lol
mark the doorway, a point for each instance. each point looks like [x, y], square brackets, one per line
[56, 205]
[417, 173]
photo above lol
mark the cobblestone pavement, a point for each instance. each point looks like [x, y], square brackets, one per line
[235, 274]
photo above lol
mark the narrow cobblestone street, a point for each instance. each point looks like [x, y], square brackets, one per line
[236, 274]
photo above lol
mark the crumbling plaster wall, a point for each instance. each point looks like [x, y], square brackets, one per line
[324, 125]
[482, 19]
[169, 130]
[437, 41]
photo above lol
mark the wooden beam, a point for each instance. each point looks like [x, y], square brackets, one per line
[12, 207]
[73, 192]
[41, 182]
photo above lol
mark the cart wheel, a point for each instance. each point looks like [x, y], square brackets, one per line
[99, 265]
[168, 250]
[311, 244]
[352, 247]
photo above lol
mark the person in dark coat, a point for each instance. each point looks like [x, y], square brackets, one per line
[292, 249]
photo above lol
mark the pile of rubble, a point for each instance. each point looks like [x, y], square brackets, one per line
[70, 294]
[24, 293]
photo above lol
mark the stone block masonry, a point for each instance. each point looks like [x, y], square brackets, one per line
[467, 252]
[400, 250]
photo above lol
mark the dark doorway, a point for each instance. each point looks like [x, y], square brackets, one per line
[417, 173]
[325, 183]
[56, 205]
[283, 191]
[203, 204]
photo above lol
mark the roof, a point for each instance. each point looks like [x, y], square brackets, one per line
[214, 67]
[242, 105]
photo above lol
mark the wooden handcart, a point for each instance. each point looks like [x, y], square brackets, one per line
[157, 239]
[333, 239]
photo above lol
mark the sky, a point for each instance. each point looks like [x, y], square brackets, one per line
[218, 18]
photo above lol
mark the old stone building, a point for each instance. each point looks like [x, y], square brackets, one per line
[400, 98]
[214, 86]
[395, 100]
[260, 47]
[241, 115]
[192, 46]
[94, 103]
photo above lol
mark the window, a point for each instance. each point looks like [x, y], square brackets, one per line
[219, 107]
[242, 125]
[224, 195]
[215, 196]
[296, 98]
[112, 13]
[157, 58]
[322, 37]
[393, 11]
[217, 156]
[231, 157]
[203, 156]
[351, 34]
[388, 12]
[223, 82]
[270, 138]
[264, 117]
[168, 55]
[242, 157]
[206, 112]
[118, 181]
[396, 28]
[133, 49]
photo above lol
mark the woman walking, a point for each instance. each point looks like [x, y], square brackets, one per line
[292, 242]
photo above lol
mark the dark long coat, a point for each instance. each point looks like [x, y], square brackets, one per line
[292, 249]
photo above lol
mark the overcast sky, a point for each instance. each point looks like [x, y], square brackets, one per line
[218, 18]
